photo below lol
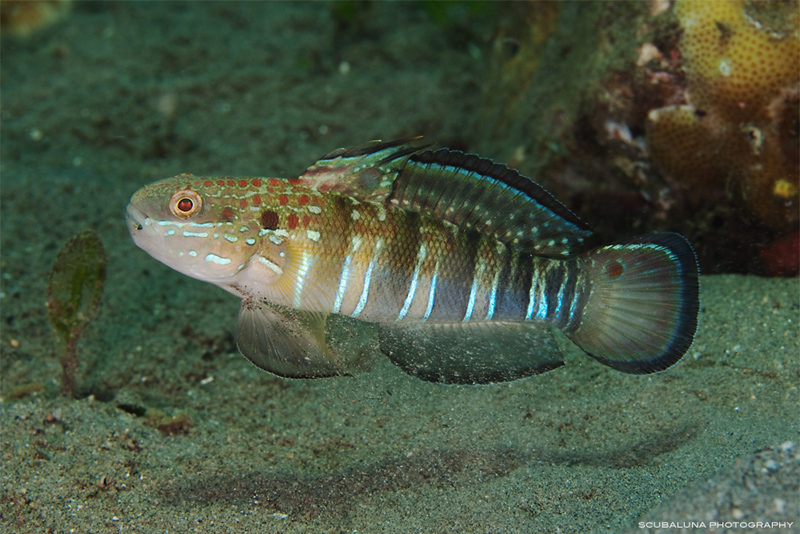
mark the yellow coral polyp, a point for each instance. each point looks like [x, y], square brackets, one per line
[742, 64]
[735, 61]
[784, 189]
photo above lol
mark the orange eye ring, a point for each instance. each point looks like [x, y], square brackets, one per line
[185, 204]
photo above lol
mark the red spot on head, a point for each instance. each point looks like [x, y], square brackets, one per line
[273, 181]
[293, 221]
[256, 183]
[227, 214]
[256, 200]
[208, 183]
[294, 181]
[231, 182]
[283, 199]
[220, 182]
[614, 269]
[243, 203]
[302, 200]
[269, 220]
[242, 183]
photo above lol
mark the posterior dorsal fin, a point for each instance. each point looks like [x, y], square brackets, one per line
[477, 193]
[365, 171]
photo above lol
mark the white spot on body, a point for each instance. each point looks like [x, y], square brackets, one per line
[312, 235]
[219, 260]
[269, 264]
[231, 238]
[192, 253]
[195, 234]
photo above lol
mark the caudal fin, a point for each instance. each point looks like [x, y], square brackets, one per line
[641, 313]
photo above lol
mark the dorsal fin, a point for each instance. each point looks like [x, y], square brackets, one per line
[463, 189]
[477, 193]
[365, 171]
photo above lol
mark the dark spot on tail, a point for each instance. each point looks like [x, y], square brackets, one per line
[614, 269]
[269, 220]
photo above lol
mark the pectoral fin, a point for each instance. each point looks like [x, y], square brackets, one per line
[471, 353]
[285, 342]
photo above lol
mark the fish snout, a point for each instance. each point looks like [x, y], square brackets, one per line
[135, 218]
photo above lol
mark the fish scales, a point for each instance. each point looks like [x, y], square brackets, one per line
[466, 266]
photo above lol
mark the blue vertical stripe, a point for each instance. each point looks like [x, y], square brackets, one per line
[362, 301]
[480, 266]
[421, 255]
[432, 291]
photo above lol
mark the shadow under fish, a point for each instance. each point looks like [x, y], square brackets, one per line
[466, 266]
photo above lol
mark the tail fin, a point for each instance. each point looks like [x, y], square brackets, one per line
[641, 313]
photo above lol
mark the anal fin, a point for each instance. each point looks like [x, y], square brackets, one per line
[477, 353]
[285, 342]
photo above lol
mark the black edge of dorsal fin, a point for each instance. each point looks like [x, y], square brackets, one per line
[502, 173]
[476, 192]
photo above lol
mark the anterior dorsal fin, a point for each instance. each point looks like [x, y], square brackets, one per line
[474, 192]
[365, 171]
[471, 353]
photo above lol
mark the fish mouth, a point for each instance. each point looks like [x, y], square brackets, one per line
[135, 218]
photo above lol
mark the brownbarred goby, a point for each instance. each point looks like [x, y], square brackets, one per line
[466, 266]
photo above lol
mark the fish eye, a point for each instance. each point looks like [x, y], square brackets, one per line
[185, 204]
